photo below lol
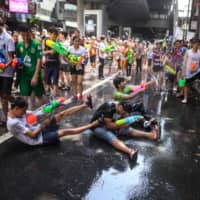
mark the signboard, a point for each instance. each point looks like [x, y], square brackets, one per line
[91, 25]
[18, 6]
[93, 22]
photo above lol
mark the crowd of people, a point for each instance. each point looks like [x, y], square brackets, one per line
[44, 71]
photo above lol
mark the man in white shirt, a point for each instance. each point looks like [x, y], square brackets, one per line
[46, 132]
[7, 49]
[101, 57]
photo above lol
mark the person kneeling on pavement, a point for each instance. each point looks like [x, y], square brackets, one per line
[46, 132]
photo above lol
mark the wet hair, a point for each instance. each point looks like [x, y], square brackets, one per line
[19, 102]
[25, 28]
[53, 29]
[117, 80]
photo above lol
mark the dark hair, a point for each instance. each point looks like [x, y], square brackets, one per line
[127, 106]
[75, 37]
[2, 23]
[194, 40]
[64, 33]
[25, 28]
[19, 102]
[117, 80]
[53, 29]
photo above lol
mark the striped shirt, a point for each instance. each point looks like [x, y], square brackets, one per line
[157, 54]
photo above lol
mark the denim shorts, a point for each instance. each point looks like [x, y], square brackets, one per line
[52, 75]
[108, 135]
[50, 133]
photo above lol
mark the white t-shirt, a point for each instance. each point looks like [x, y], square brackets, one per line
[7, 45]
[101, 49]
[65, 44]
[150, 52]
[193, 59]
[81, 51]
[18, 128]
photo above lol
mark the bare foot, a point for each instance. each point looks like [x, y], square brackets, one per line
[133, 155]
[155, 135]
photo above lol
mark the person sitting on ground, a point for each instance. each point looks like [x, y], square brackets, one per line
[46, 132]
[127, 92]
[109, 131]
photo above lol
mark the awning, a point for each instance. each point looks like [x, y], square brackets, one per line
[44, 18]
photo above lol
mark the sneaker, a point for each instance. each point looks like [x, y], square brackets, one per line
[67, 88]
[184, 101]
[89, 101]
[179, 95]
[74, 98]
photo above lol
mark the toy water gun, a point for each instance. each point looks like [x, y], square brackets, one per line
[109, 48]
[169, 69]
[128, 120]
[75, 59]
[16, 62]
[58, 48]
[47, 109]
[2, 63]
[181, 83]
[134, 88]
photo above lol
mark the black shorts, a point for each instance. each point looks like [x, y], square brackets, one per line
[189, 80]
[149, 62]
[50, 133]
[65, 67]
[170, 77]
[52, 75]
[74, 71]
[6, 85]
[157, 68]
[93, 59]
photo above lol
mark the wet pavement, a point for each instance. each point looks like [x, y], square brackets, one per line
[83, 167]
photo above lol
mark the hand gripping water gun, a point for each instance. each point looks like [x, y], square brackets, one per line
[58, 48]
[170, 69]
[181, 83]
[75, 59]
[128, 120]
[16, 62]
[109, 48]
[2, 63]
[47, 109]
[134, 88]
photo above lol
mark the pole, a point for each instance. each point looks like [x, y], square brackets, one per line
[187, 25]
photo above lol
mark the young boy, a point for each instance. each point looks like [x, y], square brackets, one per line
[46, 132]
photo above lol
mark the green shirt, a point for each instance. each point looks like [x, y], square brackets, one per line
[119, 96]
[29, 56]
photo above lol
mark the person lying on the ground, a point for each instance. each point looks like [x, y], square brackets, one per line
[127, 92]
[109, 131]
[46, 132]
